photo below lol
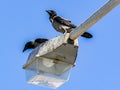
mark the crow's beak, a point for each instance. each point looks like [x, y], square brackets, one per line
[48, 11]
[28, 45]
[24, 49]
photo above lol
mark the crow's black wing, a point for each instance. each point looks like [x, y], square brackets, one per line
[64, 22]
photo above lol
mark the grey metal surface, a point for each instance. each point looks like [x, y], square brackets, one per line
[66, 53]
[94, 18]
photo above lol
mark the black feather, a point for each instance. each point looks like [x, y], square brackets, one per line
[64, 22]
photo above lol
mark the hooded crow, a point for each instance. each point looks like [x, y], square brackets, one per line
[34, 44]
[63, 25]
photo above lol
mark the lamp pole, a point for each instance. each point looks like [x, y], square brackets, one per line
[94, 18]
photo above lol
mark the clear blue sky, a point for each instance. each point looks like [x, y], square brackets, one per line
[98, 61]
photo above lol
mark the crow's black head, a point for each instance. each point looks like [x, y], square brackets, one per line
[34, 44]
[28, 45]
[52, 13]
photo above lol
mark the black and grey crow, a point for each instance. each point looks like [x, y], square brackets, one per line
[34, 44]
[63, 25]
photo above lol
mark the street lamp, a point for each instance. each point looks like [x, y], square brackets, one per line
[50, 64]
